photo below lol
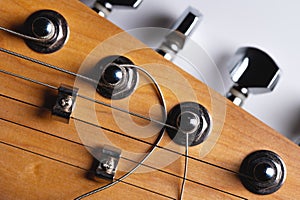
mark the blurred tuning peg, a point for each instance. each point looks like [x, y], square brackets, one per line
[297, 141]
[180, 31]
[104, 7]
[253, 71]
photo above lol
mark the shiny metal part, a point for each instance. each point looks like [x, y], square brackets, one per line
[104, 7]
[106, 166]
[117, 82]
[189, 118]
[50, 30]
[65, 103]
[181, 30]
[252, 71]
[263, 172]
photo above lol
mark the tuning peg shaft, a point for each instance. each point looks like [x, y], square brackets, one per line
[180, 31]
[253, 71]
[104, 7]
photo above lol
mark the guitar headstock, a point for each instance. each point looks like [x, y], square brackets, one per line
[44, 158]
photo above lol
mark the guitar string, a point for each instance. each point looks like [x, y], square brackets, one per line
[130, 137]
[185, 166]
[102, 103]
[68, 72]
[26, 37]
[81, 168]
[148, 166]
[122, 157]
[152, 148]
[88, 79]
[98, 102]
[121, 134]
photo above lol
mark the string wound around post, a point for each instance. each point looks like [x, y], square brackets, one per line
[65, 103]
[105, 166]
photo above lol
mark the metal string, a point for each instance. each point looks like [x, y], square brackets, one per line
[158, 140]
[21, 35]
[86, 78]
[81, 168]
[122, 157]
[170, 150]
[185, 166]
[148, 166]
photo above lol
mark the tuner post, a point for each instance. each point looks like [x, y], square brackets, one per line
[263, 172]
[189, 118]
[117, 81]
[49, 29]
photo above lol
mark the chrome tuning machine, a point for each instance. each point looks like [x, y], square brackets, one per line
[104, 7]
[252, 71]
[180, 31]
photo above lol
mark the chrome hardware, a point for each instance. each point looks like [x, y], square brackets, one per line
[104, 7]
[65, 103]
[263, 172]
[181, 30]
[116, 81]
[253, 71]
[106, 166]
[189, 118]
[50, 30]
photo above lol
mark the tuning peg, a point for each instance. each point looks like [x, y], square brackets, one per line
[104, 7]
[180, 31]
[297, 141]
[253, 71]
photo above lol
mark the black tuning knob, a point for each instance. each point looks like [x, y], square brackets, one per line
[263, 172]
[50, 30]
[252, 71]
[104, 7]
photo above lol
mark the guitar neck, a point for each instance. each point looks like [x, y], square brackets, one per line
[45, 159]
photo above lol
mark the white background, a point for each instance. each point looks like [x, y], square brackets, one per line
[271, 25]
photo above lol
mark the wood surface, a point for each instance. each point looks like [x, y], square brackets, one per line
[45, 159]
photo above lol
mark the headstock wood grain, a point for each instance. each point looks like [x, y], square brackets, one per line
[45, 159]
